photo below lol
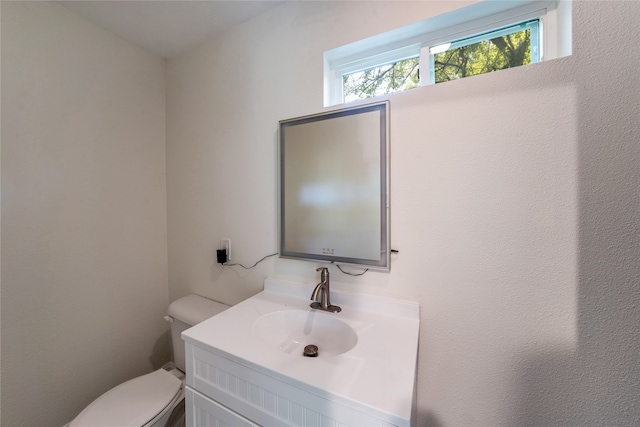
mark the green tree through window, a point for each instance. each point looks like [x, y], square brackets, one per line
[499, 49]
[401, 75]
[486, 56]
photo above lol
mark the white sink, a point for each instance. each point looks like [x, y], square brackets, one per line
[366, 360]
[290, 331]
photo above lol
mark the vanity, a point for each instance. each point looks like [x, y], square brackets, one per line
[245, 366]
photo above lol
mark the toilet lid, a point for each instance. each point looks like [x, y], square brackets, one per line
[133, 403]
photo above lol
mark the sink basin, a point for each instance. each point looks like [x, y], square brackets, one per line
[291, 330]
[252, 354]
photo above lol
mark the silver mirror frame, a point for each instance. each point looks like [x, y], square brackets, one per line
[384, 261]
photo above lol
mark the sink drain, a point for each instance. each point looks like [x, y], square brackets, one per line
[310, 351]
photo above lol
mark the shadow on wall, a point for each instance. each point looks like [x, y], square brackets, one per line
[161, 352]
[429, 419]
[598, 385]
[550, 390]
[609, 223]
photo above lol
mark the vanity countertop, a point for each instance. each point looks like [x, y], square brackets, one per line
[377, 374]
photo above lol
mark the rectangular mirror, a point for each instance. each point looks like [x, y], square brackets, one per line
[334, 186]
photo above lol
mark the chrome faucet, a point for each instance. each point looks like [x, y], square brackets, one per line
[322, 290]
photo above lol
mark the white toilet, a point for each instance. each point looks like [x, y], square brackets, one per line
[155, 399]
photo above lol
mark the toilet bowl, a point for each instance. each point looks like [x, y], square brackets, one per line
[155, 399]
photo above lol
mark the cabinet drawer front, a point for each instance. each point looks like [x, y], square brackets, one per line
[266, 400]
[205, 412]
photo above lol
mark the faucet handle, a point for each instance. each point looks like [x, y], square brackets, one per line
[324, 273]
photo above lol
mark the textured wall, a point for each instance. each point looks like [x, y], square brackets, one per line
[514, 205]
[606, 366]
[84, 270]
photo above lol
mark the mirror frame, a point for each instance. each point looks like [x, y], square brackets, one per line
[381, 263]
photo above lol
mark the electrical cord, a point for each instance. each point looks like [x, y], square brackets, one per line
[269, 256]
[393, 251]
[248, 268]
[351, 274]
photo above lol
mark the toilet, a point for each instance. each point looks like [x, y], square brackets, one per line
[155, 399]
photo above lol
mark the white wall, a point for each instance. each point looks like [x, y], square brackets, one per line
[514, 205]
[84, 259]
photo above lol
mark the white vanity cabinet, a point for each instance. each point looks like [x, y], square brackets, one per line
[238, 375]
[223, 390]
[202, 411]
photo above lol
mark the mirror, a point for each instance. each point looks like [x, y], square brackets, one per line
[334, 192]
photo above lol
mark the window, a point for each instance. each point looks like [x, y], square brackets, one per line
[449, 47]
[400, 75]
[497, 50]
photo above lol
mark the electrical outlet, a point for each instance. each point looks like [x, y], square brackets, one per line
[226, 245]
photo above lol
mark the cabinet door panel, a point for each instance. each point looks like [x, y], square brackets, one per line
[204, 412]
[266, 400]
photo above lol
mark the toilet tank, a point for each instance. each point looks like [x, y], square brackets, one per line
[183, 314]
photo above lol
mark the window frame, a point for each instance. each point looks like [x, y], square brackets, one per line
[534, 25]
[416, 39]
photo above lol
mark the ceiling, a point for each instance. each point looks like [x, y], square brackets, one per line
[168, 28]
